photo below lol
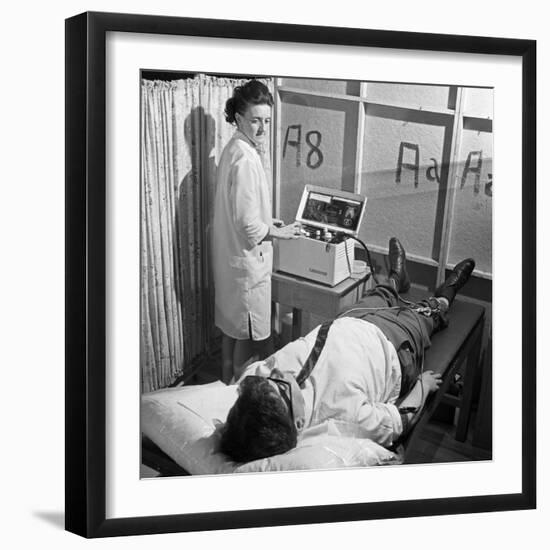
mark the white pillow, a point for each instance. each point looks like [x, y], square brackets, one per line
[184, 423]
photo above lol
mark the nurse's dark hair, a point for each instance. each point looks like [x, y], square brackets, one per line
[253, 92]
[259, 424]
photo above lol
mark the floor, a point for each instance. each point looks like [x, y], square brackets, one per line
[436, 444]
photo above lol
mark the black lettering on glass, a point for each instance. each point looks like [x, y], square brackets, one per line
[400, 164]
[432, 173]
[489, 185]
[314, 149]
[294, 142]
[475, 169]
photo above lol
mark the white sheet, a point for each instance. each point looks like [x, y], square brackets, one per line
[184, 422]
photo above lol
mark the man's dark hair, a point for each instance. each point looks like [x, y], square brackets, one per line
[259, 424]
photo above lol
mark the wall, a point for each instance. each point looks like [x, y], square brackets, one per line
[33, 275]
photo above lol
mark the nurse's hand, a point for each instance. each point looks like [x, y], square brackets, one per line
[290, 231]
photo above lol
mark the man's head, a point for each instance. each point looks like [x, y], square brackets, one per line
[261, 423]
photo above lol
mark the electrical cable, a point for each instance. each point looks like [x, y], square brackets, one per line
[420, 408]
[347, 258]
[407, 303]
[369, 259]
[410, 305]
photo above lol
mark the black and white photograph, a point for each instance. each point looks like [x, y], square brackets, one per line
[316, 269]
[294, 296]
[303, 319]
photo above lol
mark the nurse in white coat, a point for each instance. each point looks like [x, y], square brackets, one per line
[243, 229]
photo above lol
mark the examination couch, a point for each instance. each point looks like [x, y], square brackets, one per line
[180, 426]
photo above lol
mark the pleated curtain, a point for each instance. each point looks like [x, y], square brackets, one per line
[165, 160]
[183, 134]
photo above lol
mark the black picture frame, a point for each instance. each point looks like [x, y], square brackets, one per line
[86, 273]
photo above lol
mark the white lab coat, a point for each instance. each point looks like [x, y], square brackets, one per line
[242, 263]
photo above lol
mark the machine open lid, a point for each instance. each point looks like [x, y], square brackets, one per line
[331, 209]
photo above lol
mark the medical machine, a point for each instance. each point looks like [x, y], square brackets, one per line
[324, 252]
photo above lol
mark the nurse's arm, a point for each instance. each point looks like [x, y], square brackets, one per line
[245, 203]
[290, 231]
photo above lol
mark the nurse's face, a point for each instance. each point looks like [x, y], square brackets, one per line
[254, 123]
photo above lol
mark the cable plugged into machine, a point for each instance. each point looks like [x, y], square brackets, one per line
[369, 259]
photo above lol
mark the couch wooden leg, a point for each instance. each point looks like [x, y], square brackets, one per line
[472, 362]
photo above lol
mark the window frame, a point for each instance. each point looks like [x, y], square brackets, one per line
[456, 118]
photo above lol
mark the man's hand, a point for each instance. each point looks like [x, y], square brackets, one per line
[430, 380]
[427, 382]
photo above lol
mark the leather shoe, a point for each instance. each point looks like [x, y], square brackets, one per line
[398, 269]
[456, 280]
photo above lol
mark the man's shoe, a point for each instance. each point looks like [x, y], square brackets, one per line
[456, 280]
[398, 269]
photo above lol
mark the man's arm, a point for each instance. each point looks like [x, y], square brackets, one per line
[380, 422]
[427, 382]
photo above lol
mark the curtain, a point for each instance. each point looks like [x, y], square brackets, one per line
[167, 161]
[183, 135]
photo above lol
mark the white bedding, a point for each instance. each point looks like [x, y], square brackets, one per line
[184, 423]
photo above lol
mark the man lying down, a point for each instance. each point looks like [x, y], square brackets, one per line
[364, 368]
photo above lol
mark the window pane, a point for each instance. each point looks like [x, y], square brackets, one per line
[323, 86]
[471, 232]
[478, 102]
[317, 146]
[415, 96]
[401, 167]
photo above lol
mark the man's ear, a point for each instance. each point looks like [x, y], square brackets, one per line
[270, 362]
[218, 426]
[249, 361]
